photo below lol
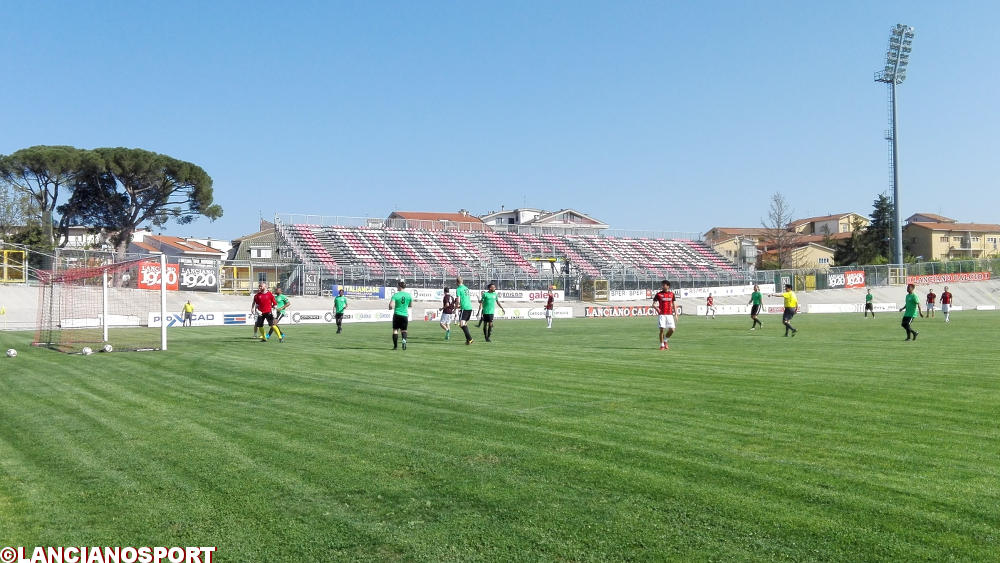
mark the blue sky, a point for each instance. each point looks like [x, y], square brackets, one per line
[649, 115]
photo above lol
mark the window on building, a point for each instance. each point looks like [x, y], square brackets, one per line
[975, 239]
[262, 277]
[944, 239]
[844, 228]
[260, 252]
[824, 260]
[991, 239]
[956, 239]
[510, 220]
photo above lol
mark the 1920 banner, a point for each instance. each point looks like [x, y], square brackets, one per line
[149, 275]
[849, 280]
[189, 275]
[199, 275]
[948, 278]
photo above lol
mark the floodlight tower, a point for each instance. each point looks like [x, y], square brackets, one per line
[894, 73]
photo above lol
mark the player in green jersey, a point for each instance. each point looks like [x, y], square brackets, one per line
[756, 301]
[465, 308]
[869, 306]
[400, 304]
[279, 311]
[911, 309]
[488, 305]
[339, 306]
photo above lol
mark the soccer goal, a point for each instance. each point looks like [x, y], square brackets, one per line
[86, 305]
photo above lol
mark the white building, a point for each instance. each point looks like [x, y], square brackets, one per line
[531, 219]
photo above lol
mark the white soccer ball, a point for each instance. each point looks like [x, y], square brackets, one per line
[107, 348]
[11, 353]
[87, 351]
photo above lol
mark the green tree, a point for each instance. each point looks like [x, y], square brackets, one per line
[850, 251]
[41, 172]
[871, 244]
[878, 235]
[126, 188]
[17, 210]
[95, 203]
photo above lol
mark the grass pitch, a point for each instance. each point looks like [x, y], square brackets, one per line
[583, 442]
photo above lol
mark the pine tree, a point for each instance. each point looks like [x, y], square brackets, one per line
[871, 244]
[877, 240]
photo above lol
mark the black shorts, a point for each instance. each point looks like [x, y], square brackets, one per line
[338, 316]
[869, 307]
[187, 316]
[789, 313]
[400, 322]
[466, 315]
[261, 317]
[487, 318]
[906, 322]
[279, 316]
[754, 310]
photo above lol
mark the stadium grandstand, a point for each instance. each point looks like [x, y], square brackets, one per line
[433, 248]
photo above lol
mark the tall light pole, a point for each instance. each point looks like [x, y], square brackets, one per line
[894, 73]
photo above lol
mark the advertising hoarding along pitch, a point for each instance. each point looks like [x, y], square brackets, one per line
[948, 278]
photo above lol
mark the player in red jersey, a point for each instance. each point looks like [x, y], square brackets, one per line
[931, 301]
[710, 306]
[946, 304]
[264, 303]
[666, 314]
[548, 306]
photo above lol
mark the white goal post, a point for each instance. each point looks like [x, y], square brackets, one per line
[92, 303]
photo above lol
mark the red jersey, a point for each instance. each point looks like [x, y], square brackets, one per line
[710, 301]
[548, 304]
[264, 302]
[664, 302]
[448, 304]
[932, 296]
[946, 298]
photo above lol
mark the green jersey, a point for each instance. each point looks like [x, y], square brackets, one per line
[489, 302]
[911, 305]
[401, 302]
[464, 302]
[339, 304]
[868, 298]
[282, 302]
[756, 298]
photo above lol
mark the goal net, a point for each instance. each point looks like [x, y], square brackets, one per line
[82, 304]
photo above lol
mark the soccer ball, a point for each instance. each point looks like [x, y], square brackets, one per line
[11, 353]
[107, 348]
[87, 351]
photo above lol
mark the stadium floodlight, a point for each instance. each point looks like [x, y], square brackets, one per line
[893, 74]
